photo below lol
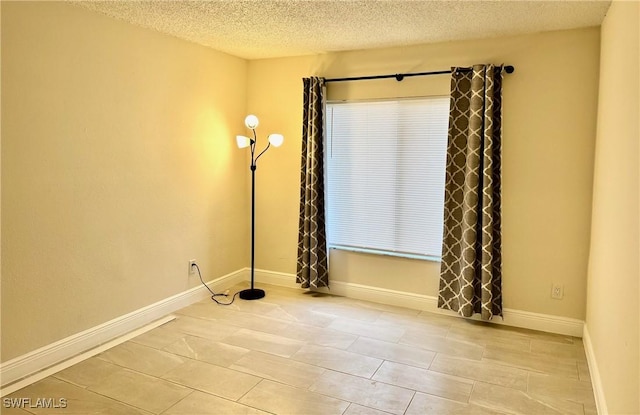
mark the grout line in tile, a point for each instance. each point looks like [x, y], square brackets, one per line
[435, 354]
[377, 369]
[111, 398]
[190, 393]
[410, 402]
[252, 388]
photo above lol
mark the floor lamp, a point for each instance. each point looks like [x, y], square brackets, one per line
[274, 140]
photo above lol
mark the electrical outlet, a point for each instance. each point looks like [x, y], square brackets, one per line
[192, 269]
[557, 291]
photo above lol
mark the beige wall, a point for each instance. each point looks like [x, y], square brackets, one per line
[118, 166]
[613, 317]
[549, 132]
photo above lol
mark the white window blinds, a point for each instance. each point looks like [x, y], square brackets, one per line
[385, 170]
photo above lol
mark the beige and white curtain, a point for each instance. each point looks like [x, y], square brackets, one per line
[471, 268]
[312, 268]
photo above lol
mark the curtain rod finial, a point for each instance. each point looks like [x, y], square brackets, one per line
[509, 69]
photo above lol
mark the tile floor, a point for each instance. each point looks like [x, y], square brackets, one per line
[302, 353]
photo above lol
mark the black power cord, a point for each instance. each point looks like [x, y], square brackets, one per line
[214, 295]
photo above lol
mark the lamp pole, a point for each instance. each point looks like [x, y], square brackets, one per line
[253, 223]
[253, 293]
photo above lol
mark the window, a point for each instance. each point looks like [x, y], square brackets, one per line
[385, 171]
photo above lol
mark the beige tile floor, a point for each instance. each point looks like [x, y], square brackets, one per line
[295, 352]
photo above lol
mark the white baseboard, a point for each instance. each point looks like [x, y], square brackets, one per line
[79, 358]
[594, 372]
[29, 364]
[280, 279]
[515, 318]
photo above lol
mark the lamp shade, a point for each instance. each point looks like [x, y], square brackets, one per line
[276, 140]
[251, 121]
[243, 141]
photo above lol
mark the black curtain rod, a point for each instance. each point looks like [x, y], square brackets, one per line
[400, 76]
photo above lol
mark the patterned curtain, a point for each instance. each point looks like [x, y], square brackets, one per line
[471, 268]
[312, 269]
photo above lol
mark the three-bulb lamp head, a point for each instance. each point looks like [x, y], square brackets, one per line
[252, 122]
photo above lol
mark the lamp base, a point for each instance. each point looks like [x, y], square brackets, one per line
[251, 294]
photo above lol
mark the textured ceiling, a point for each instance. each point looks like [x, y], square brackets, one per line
[267, 28]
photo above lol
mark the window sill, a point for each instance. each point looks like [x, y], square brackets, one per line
[386, 253]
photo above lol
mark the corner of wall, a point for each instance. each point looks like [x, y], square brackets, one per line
[594, 372]
[612, 323]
